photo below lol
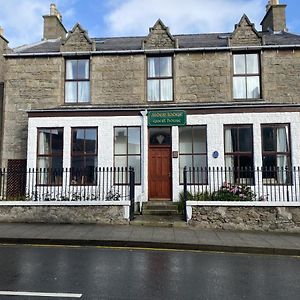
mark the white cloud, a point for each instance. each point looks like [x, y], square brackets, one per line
[22, 19]
[182, 16]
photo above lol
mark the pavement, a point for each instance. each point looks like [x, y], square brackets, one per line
[188, 238]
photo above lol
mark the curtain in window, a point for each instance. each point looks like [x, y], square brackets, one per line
[70, 69]
[166, 89]
[282, 146]
[229, 159]
[151, 67]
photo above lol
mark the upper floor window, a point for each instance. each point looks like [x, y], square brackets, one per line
[160, 79]
[246, 76]
[77, 83]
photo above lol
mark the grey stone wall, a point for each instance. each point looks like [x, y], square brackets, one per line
[118, 79]
[281, 76]
[31, 83]
[203, 77]
[247, 218]
[63, 214]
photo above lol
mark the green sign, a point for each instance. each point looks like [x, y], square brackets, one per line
[167, 118]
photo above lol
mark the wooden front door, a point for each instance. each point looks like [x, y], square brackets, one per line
[160, 179]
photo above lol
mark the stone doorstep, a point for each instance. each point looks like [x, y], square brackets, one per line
[159, 221]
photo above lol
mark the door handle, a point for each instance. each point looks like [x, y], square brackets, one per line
[169, 175]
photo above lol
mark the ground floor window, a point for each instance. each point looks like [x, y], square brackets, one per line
[50, 156]
[276, 153]
[127, 152]
[238, 142]
[193, 153]
[84, 156]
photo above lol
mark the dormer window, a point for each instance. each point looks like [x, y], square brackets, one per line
[246, 76]
[77, 82]
[160, 79]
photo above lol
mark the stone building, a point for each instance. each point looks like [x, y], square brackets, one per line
[158, 102]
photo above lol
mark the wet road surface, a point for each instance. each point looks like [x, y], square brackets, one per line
[105, 273]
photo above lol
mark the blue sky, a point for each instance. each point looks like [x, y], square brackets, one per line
[22, 19]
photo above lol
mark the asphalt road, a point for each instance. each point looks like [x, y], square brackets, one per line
[99, 273]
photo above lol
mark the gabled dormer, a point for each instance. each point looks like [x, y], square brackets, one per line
[245, 34]
[159, 37]
[77, 40]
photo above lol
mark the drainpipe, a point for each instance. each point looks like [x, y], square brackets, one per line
[144, 164]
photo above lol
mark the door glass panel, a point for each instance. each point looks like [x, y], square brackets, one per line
[160, 136]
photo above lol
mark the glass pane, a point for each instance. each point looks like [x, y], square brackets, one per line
[153, 66]
[253, 87]
[57, 141]
[120, 140]
[135, 162]
[83, 69]
[185, 161]
[268, 139]
[78, 140]
[153, 90]
[44, 141]
[90, 140]
[90, 173]
[166, 66]
[239, 87]
[71, 69]
[166, 89]
[185, 140]
[239, 64]
[199, 139]
[57, 163]
[252, 64]
[134, 140]
[83, 91]
[246, 162]
[200, 163]
[43, 163]
[245, 139]
[160, 136]
[231, 139]
[71, 92]
[120, 162]
[282, 139]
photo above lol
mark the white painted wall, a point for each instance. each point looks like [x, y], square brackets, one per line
[215, 136]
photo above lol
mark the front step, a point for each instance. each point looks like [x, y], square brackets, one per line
[160, 208]
[158, 221]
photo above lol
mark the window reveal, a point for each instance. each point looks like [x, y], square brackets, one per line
[246, 76]
[239, 154]
[50, 156]
[84, 156]
[160, 79]
[127, 151]
[77, 81]
[193, 153]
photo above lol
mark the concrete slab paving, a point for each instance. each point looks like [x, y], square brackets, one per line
[143, 236]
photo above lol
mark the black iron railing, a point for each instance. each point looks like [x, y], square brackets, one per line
[241, 184]
[91, 184]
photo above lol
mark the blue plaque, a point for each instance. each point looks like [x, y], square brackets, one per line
[215, 154]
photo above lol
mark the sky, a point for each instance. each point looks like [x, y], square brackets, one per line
[23, 23]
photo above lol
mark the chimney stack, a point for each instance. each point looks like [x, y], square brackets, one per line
[53, 27]
[275, 18]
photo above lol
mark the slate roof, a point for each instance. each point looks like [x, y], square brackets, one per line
[184, 41]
